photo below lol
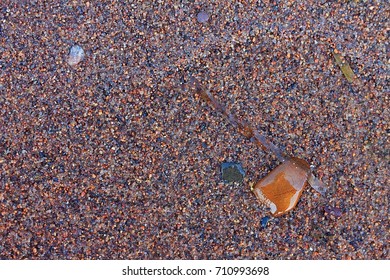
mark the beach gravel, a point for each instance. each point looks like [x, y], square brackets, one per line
[116, 157]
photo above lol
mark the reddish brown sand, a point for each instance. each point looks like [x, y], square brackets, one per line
[116, 158]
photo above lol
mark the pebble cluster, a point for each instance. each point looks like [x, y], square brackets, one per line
[114, 157]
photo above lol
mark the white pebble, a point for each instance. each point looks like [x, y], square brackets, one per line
[76, 54]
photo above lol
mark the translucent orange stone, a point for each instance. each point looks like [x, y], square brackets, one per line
[281, 189]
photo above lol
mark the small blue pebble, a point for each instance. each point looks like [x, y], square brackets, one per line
[264, 221]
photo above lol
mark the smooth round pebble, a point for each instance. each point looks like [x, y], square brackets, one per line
[76, 54]
[202, 17]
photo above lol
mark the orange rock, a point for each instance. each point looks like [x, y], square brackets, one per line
[281, 189]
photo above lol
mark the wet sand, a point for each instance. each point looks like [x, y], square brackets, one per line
[116, 157]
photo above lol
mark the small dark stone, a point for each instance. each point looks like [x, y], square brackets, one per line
[42, 154]
[232, 172]
[335, 211]
[264, 221]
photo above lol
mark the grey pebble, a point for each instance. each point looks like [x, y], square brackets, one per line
[202, 17]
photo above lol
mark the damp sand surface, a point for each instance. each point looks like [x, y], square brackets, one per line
[115, 158]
